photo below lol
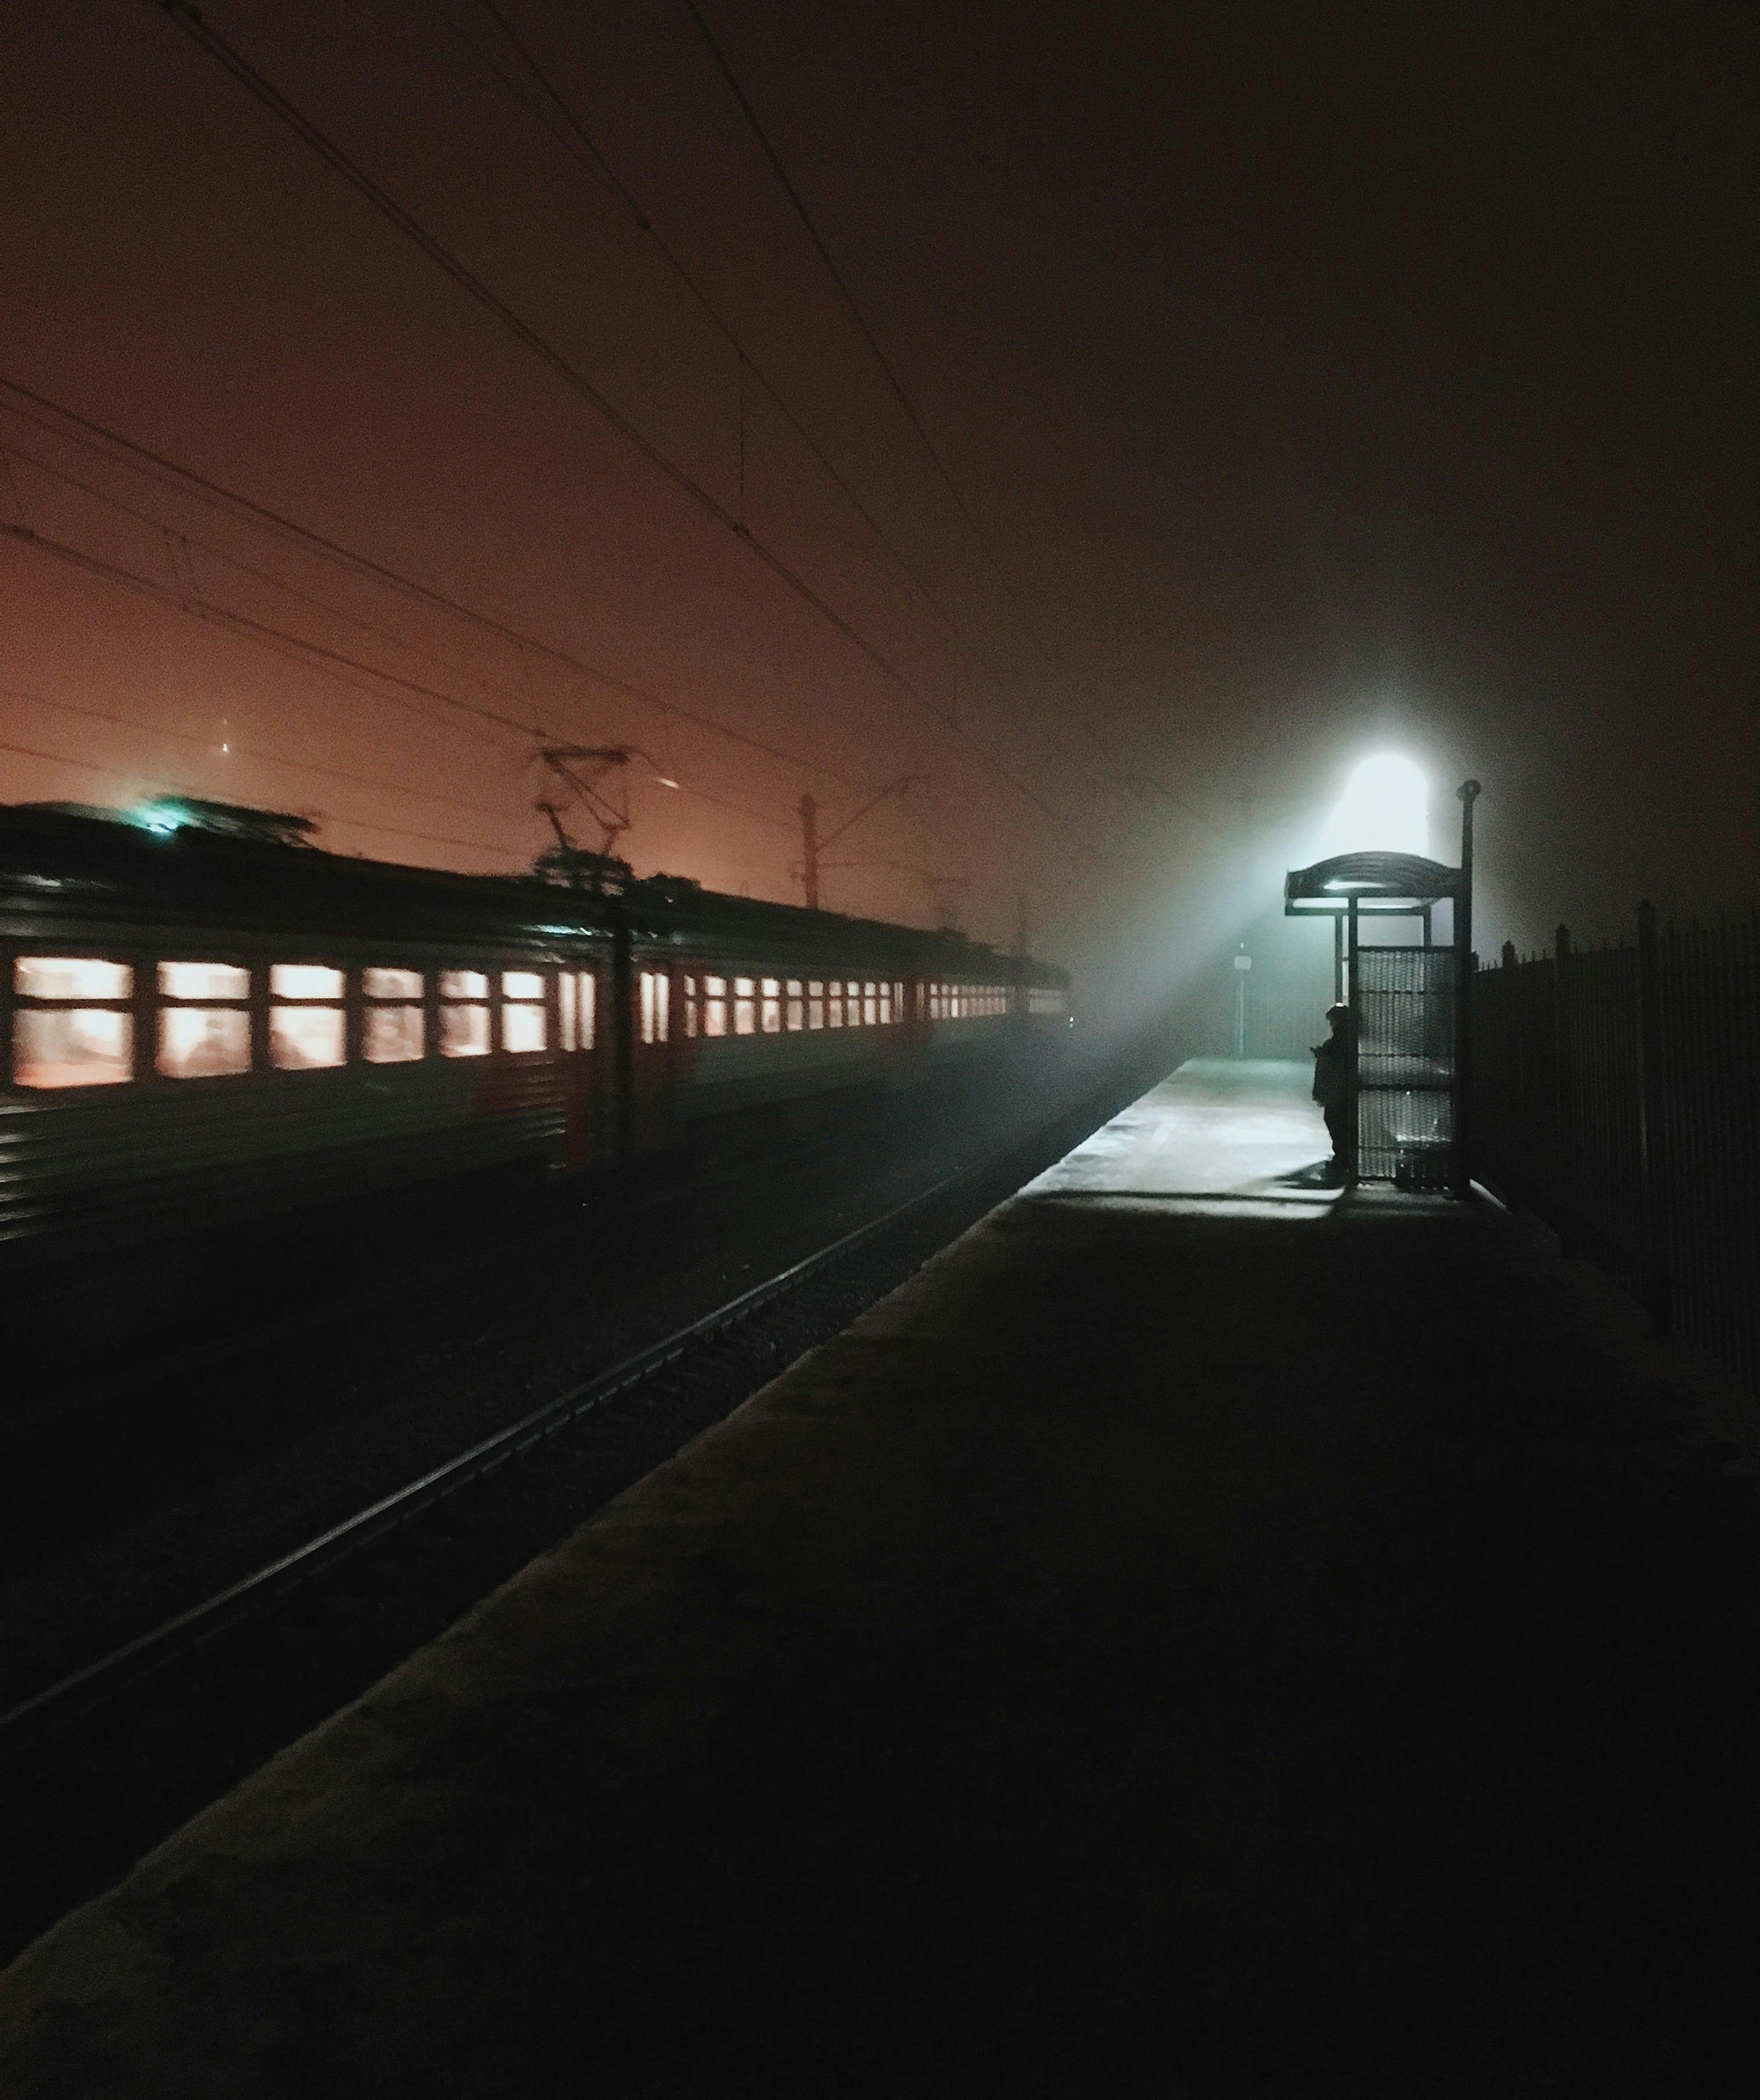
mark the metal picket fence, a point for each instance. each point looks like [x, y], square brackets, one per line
[1616, 1091]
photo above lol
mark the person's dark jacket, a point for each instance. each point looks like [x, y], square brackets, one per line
[1332, 1070]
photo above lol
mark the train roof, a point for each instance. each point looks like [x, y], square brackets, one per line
[188, 865]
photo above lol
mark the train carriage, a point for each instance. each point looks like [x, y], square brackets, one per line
[204, 1017]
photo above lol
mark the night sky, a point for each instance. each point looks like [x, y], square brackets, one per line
[1307, 381]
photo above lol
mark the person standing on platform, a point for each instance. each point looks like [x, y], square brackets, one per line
[1332, 1082]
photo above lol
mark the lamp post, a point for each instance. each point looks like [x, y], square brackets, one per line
[1469, 792]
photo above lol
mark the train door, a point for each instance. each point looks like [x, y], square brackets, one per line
[651, 1030]
[581, 1017]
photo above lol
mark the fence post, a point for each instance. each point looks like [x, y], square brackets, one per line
[1653, 1162]
[1564, 1146]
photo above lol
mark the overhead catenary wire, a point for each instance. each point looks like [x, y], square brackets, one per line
[191, 597]
[190, 21]
[247, 751]
[864, 327]
[143, 458]
[265, 631]
[303, 649]
[163, 781]
[610, 179]
[837, 278]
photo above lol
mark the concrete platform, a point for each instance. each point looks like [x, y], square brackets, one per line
[1204, 1635]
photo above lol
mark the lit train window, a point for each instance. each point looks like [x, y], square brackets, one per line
[394, 1035]
[745, 1007]
[815, 1004]
[654, 991]
[203, 1042]
[795, 1012]
[464, 1031]
[393, 1024]
[852, 1005]
[392, 984]
[870, 1007]
[523, 1023]
[885, 1005]
[305, 1036]
[834, 1006]
[714, 1006]
[203, 980]
[75, 1043]
[304, 980]
[770, 1014]
[72, 1046]
[574, 1008]
[200, 1039]
[464, 1015]
[690, 995]
[588, 984]
[304, 1039]
[62, 977]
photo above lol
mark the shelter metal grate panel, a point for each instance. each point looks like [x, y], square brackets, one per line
[1406, 1010]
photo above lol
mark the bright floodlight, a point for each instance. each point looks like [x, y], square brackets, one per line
[1384, 809]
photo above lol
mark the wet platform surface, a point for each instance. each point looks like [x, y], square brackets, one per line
[1206, 1633]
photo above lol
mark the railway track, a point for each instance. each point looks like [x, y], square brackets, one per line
[115, 1752]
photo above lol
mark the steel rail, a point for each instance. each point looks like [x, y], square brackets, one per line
[84, 1690]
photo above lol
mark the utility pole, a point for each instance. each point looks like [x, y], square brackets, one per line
[812, 845]
[809, 850]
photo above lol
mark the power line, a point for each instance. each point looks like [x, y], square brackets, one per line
[201, 608]
[190, 21]
[216, 615]
[431, 838]
[610, 178]
[159, 779]
[256, 629]
[863, 325]
[841, 283]
[186, 573]
[245, 751]
[159, 467]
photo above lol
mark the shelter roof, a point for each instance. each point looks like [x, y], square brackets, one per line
[1369, 877]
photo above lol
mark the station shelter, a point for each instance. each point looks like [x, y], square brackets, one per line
[1409, 1007]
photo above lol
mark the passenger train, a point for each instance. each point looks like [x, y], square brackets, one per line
[204, 1017]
